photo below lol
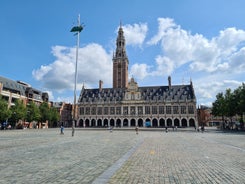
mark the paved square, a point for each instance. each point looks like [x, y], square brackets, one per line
[98, 156]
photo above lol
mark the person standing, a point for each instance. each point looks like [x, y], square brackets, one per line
[137, 130]
[62, 130]
[73, 131]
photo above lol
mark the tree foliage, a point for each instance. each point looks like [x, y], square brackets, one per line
[33, 112]
[45, 112]
[4, 111]
[49, 113]
[54, 117]
[30, 112]
[230, 104]
[18, 111]
[218, 105]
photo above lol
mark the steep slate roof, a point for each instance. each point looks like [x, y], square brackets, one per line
[176, 93]
[13, 86]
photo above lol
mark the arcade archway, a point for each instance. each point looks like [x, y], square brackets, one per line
[140, 122]
[192, 122]
[154, 123]
[81, 123]
[133, 122]
[125, 122]
[176, 122]
[184, 122]
[162, 122]
[169, 122]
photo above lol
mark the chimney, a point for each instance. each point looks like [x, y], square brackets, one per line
[169, 82]
[100, 85]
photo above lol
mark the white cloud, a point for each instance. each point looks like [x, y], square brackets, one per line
[50, 95]
[139, 70]
[135, 34]
[69, 99]
[208, 86]
[164, 66]
[94, 64]
[202, 54]
[164, 25]
[237, 61]
[38, 74]
[213, 64]
[229, 39]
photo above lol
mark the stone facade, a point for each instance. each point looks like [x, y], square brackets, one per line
[128, 105]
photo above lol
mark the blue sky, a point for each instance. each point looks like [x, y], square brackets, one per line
[188, 39]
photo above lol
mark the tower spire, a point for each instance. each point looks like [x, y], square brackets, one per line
[120, 61]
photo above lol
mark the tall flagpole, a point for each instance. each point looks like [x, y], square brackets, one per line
[76, 29]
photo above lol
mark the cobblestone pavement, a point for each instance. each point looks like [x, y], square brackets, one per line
[45, 156]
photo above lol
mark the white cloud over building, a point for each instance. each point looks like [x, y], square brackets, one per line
[213, 64]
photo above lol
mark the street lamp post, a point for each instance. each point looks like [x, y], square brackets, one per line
[77, 29]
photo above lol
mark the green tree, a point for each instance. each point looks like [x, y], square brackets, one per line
[4, 111]
[54, 117]
[218, 108]
[45, 112]
[32, 112]
[230, 104]
[18, 112]
[239, 95]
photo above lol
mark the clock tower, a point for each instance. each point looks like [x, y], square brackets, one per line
[120, 62]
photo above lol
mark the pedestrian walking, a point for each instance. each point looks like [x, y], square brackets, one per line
[110, 128]
[202, 128]
[166, 129]
[62, 130]
[73, 131]
[136, 130]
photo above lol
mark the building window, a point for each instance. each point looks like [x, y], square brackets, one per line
[87, 112]
[190, 109]
[106, 110]
[168, 110]
[140, 110]
[154, 109]
[99, 111]
[93, 110]
[183, 109]
[132, 110]
[147, 110]
[81, 110]
[125, 110]
[118, 110]
[112, 110]
[161, 109]
[176, 109]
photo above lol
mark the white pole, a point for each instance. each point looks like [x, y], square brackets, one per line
[75, 85]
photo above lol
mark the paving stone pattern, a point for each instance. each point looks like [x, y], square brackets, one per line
[45, 156]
